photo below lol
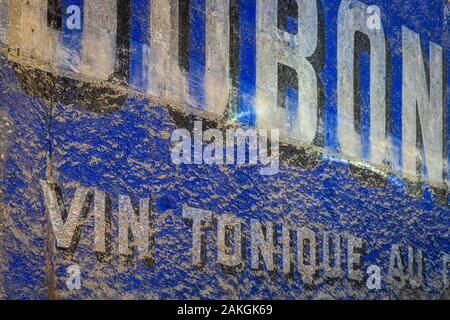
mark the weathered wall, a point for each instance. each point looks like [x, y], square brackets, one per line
[96, 108]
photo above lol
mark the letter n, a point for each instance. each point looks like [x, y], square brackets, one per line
[139, 225]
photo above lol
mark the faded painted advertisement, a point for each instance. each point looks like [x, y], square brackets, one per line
[156, 149]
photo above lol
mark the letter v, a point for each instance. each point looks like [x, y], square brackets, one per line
[64, 230]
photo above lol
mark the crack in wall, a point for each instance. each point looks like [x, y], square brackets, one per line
[50, 272]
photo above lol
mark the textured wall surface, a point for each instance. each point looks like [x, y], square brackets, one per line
[96, 108]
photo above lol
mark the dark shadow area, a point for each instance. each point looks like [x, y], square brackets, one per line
[54, 14]
[184, 28]
[100, 97]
